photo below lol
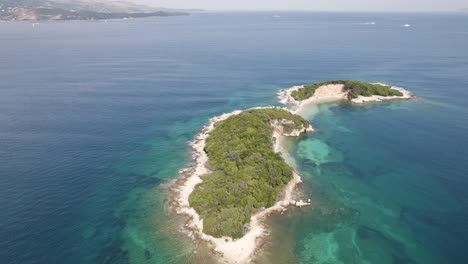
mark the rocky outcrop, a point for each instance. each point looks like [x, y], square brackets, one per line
[287, 128]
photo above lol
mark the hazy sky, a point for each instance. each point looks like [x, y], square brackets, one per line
[319, 5]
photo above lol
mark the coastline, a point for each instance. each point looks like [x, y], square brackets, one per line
[377, 98]
[243, 249]
[333, 93]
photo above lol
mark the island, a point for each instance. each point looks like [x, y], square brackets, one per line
[354, 91]
[240, 173]
[247, 174]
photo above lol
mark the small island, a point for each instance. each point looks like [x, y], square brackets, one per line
[238, 177]
[239, 174]
[247, 175]
[354, 91]
[58, 10]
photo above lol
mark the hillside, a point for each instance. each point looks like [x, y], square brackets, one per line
[37, 10]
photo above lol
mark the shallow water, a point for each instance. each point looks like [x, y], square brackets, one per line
[96, 116]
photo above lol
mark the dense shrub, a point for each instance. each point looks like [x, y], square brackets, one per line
[248, 175]
[357, 88]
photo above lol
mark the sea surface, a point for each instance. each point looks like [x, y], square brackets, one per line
[95, 119]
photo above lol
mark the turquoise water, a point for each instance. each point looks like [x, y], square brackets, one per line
[378, 195]
[95, 118]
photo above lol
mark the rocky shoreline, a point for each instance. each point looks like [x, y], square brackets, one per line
[240, 250]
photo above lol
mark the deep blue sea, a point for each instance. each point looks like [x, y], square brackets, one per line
[95, 117]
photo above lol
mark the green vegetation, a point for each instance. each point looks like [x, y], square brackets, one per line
[308, 90]
[247, 174]
[355, 88]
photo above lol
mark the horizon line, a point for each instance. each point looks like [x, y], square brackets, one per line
[328, 11]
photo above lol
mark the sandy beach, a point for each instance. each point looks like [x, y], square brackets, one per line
[331, 93]
[378, 98]
[240, 250]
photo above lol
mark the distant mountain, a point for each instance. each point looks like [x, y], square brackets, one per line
[21, 10]
[108, 6]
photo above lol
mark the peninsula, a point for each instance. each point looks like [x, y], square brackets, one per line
[354, 91]
[46, 10]
[240, 175]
